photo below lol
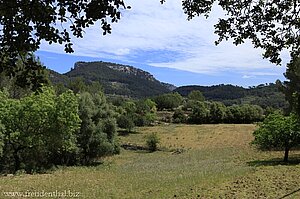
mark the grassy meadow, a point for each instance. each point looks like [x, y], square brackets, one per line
[194, 161]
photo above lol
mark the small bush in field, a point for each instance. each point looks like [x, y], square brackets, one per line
[152, 142]
[179, 116]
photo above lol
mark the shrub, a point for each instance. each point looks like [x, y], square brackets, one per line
[152, 142]
[126, 122]
[97, 133]
[179, 116]
[168, 101]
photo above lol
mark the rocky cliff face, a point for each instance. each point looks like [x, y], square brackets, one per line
[133, 71]
[171, 87]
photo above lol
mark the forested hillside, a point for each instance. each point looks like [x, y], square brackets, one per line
[263, 95]
[115, 79]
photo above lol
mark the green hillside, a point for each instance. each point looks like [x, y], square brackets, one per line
[263, 95]
[116, 79]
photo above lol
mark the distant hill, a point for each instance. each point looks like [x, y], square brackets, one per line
[56, 77]
[116, 79]
[263, 95]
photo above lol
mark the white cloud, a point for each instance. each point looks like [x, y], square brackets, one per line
[150, 26]
[248, 76]
[253, 75]
[122, 51]
[263, 73]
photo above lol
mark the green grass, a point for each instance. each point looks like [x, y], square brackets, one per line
[196, 161]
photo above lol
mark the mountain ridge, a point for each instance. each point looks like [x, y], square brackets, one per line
[116, 79]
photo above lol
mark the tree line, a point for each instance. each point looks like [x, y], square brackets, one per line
[195, 110]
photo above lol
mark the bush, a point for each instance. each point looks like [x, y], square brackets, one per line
[179, 116]
[200, 113]
[152, 142]
[126, 122]
[168, 101]
[97, 133]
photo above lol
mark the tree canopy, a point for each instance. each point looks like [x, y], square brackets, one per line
[37, 130]
[278, 132]
[196, 95]
[291, 88]
[270, 25]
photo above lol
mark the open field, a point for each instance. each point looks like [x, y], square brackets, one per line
[196, 161]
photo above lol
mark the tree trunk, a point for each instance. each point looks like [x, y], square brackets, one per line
[17, 160]
[286, 154]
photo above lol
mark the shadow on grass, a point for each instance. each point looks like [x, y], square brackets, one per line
[139, 149]
[94, 164]
[289, 194]
[126, 133]
[134, 147]
[274, 162]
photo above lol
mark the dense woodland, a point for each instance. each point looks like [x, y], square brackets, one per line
[264, 95]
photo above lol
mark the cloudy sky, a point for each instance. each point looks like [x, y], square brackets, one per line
[159, 39]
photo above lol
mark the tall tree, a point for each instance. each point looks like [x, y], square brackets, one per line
[291, 88]
[96, 136]
[168, 101]
[128, 115]
[145, 112]
[217, 112]
[200, 113]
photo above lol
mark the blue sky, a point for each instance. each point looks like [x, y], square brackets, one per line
[158, 38]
